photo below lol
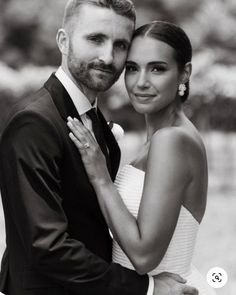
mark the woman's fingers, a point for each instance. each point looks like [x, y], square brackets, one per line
[176, 277]
[78, 129]
[190, 290]
[80, 135]
[76, 141]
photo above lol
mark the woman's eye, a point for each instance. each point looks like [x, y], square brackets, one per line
[158, 69]
[130, 69]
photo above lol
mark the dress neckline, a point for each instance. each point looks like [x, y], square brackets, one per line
[138, 169]
[182, 206]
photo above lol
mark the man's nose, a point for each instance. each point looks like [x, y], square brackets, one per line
[143, 81]
[107, 54]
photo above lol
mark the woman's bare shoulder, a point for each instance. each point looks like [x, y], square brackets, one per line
[178, 137]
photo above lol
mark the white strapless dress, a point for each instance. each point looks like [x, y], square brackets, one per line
[178, 256]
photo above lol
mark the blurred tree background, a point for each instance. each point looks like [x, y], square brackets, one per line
[28, 55]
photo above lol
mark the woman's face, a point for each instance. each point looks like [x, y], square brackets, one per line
[152, 76]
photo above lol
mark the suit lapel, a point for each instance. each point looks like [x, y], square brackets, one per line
[61, 98]
[67, 108]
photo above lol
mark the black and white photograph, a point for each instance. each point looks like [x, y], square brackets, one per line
[117, 147]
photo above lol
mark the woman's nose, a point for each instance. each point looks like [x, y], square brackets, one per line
[143, 81]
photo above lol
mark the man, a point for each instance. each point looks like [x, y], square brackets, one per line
[57, 239]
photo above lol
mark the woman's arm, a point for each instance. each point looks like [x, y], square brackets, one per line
[146, 239]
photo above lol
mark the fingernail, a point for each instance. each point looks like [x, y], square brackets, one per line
[76, 120]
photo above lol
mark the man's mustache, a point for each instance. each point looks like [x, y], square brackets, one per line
[103, 67]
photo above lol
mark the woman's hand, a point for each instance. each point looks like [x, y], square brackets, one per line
[91, 154]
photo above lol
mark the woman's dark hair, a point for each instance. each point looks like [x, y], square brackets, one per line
[175, 37]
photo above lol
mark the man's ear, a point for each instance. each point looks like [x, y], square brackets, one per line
[186, 72]
[63, 41]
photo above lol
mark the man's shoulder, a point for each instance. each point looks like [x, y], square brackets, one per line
[39, 103]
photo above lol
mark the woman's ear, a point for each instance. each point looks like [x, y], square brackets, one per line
[63, 41]
[186, 73]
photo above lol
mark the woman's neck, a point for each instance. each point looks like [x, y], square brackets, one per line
[170, 116]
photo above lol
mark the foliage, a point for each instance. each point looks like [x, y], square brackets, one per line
[29, 52]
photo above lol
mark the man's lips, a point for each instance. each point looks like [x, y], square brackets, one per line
[103, 70]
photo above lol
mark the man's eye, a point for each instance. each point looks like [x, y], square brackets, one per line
[130, 69]
[95, 39]
[121, 45]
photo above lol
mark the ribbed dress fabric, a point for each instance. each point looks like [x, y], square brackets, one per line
[178, 257]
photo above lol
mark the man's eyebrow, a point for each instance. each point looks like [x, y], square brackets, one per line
[96, 34]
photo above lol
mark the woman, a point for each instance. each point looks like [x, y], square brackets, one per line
[158, 201]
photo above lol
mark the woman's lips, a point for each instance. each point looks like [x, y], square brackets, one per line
[144, 94]
[143, 97]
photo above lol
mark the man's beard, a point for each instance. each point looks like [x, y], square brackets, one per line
[86, 74]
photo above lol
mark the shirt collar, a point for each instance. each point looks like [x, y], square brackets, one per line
[82, 104]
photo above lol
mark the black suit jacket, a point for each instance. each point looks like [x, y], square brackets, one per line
[57, 239]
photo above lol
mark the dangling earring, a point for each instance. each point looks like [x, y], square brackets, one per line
[182, 89]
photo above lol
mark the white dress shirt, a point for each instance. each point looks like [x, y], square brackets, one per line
[83, 105]
[80, 101]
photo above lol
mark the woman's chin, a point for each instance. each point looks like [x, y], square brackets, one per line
[141, 109]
